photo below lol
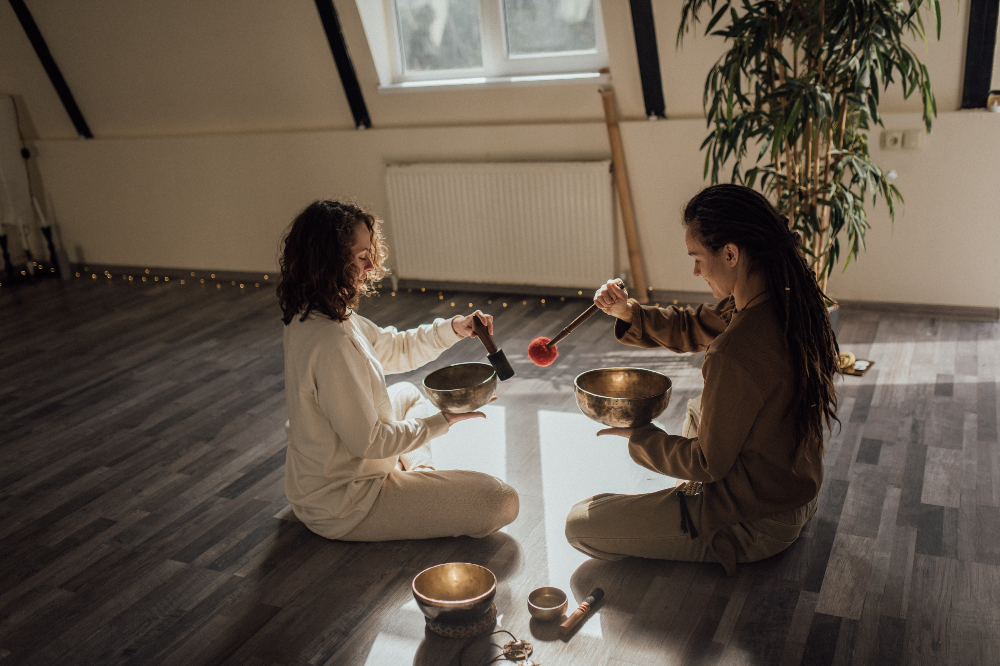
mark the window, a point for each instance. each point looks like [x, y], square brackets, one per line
[453, 41]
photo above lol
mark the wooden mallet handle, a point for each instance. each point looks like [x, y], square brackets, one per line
[573, 325]
[587, 314]
[484, 335]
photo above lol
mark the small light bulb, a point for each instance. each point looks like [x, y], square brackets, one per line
[579, 293]
[147, 271]
[470, 305]
[182, 281]
[505, 305]
[543, 301]
[453, 304]
[256, 284]
[265, 277]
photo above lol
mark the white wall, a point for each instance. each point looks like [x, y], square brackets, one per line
[186, 174]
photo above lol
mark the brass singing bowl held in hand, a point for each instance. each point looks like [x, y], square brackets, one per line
[622, 397]
[461, 388]
[455, 592]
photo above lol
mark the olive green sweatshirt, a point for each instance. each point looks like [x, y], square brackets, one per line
[745, 449]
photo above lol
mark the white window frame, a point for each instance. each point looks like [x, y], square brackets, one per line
[498, 66]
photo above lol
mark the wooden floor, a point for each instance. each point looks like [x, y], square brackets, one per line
[142, 516]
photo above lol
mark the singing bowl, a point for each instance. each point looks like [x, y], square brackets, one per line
[547, 603]
[461, 388]
[455, 592]
[622, 397]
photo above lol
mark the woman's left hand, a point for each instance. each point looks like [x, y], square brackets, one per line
[463, 325]
[621, 432]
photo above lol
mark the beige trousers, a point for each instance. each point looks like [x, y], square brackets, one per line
[611, 527]
[418, 502]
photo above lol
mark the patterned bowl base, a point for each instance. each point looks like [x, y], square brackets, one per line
[465, 629]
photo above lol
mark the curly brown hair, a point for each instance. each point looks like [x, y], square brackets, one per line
[317, 270]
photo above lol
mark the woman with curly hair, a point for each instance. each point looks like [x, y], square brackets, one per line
[358, 467]
[751, 453]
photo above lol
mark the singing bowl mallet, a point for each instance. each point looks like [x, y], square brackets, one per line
[494, 355]
[543, 351]
[574, 619]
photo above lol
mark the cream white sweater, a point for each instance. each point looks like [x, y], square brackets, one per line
[343, 438]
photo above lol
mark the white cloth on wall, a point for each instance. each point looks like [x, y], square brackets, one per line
[343, 438]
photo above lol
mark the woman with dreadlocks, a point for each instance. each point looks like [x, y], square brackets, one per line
[750, 456]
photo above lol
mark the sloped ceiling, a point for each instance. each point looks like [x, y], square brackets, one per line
[179, 67]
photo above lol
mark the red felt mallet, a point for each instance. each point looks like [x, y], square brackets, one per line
[543, 352]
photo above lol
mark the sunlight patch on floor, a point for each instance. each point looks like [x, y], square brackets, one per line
[577, 464]
[479, 445]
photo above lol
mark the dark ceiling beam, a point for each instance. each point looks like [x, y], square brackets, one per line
[979, 52]
[51, 68]
[649, 58]
[348, 77]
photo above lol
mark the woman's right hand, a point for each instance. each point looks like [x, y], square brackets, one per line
[455, 418]
[612, 299]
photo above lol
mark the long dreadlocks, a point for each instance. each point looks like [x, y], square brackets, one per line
[735, 214]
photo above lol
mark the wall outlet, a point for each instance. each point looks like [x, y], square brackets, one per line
[913, 139]
[892, 139]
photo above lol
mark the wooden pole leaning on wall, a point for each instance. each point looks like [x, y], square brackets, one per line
[624, 197]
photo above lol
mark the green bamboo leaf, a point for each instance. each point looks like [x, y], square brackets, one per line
[715, 19]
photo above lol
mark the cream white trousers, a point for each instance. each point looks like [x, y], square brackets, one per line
[419, 502]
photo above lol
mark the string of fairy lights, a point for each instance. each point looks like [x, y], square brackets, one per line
[146, 275]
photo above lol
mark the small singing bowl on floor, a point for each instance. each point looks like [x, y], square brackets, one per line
[622, 397]
[455, 592]
[461, 388]
[547, 603]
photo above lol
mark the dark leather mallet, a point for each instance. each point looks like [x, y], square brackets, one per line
[494, 355]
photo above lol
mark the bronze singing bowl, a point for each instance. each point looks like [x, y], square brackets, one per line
[622, 397]
[461, 388]
[455, 592]
[547, 603]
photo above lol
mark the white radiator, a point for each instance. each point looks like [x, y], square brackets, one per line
[546, 224]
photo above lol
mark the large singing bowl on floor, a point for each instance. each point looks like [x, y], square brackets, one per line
[622, 397]
[461, 388]
[455, 592]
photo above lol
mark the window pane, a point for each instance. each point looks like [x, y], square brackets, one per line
[549, 26]
[439, 34]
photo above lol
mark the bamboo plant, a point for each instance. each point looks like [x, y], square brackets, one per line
[798, 90]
